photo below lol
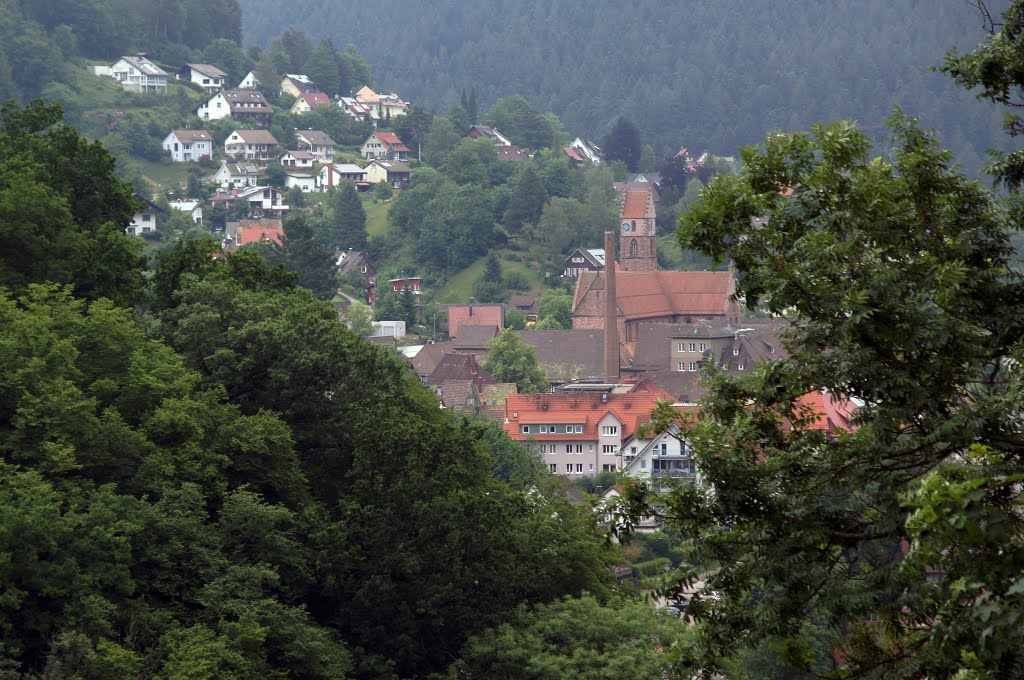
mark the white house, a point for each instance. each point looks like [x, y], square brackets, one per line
[249, 82]
[295, 84]
[193, 209]
[235, 175]
[241, 105]
[210, 78]
[660, 459]
[144, 220]
[188, 145]
[307, 101]
[588, 150]
[306, 181]
[333, 174]
[317, 143]
[389, 104]
[261, 201]
[251, 145]
[297, 159]
[139, 74]
[384, 145]
[359, 111]
[394, 173]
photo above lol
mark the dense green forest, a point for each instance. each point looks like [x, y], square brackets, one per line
[705, 75]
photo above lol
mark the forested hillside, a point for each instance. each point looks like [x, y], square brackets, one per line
[712, 75]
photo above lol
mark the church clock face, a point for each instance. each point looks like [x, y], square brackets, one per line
[625, 227]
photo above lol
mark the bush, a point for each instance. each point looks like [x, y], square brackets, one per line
[517, 281]
[654, 567]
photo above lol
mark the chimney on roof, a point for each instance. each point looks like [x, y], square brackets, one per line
[611, 328]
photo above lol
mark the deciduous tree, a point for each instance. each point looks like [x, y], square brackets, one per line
[511, 360]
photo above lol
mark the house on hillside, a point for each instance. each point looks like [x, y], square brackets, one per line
[139, 74]
[333, 174]
[249, 82]
[361, 112]
[251, 145]
[307, 101]
[582, 433]
[413, 283]
[187, 146]
[384, 146]
[358, 261]
[513, 153]
[386, 105]
[488, 133]
[233, 175]
[296, 84]
[145, 218]
[317, 143]
[297, 159]
[244, 232]
[395, 173]
[194, 209]
[587, 150]
[241, 105]
[583, 260]
[208, 77]
[305, 180]
[257, 201]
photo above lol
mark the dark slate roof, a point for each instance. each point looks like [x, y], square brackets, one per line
[475, 336]
[458, 367]
[568, 355]
[427, 359]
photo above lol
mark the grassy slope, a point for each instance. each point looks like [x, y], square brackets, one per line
[460, 287]
[376, 216]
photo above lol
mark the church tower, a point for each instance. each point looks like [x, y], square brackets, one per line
[638, 251]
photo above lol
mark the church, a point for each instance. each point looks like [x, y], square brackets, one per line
[644, 294]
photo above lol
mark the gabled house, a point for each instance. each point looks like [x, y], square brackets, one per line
[139, 74]
[386, 105]
[583, 260]
[249, 82]
[145, 218]
[333, 174]
[395, 173]
[257, 201]
[361, 112]
[305, 180]
[488, 133]
[185, 146]
[317, 143]
[357, 261]
[384, 146]
[581, 433]
[459, 382]
[567, 356]
[297, 159]
[587, 150]
[234, 175]
[660, 458]
[513, 153]
[244, 232]
[251, 145]
[574, 157]
[307, 101]
[193, 209]
[208, 77]
[240, 105]
[413, 283]
[488, 314]
[296, 84]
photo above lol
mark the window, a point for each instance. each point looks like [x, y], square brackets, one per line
[524, 429]
[608, 467]
[543, 448]
[579, 429]
[146, 217]
[633, 248]
[681, 347]
[681, 366]
[568, 448]
[693, 347]
[607, 430]
[362, 269]
[703, 347]
[664, 448]
[579, 467]
[643, 463]
[740, 367]
[608, 448]
[735, 351]
[579, 448]
[568, 468]
[693, 365]
[591, 467]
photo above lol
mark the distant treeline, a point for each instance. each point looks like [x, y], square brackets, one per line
[714, 75]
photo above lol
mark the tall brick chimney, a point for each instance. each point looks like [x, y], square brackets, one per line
[611, 317]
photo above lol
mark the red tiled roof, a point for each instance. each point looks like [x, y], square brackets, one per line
[254, 233]
[631, 409]
[638, 204]
[652, 294]
[389, 138]
[475, 314]
[315, 99]
[571, 153]
[830, 412]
